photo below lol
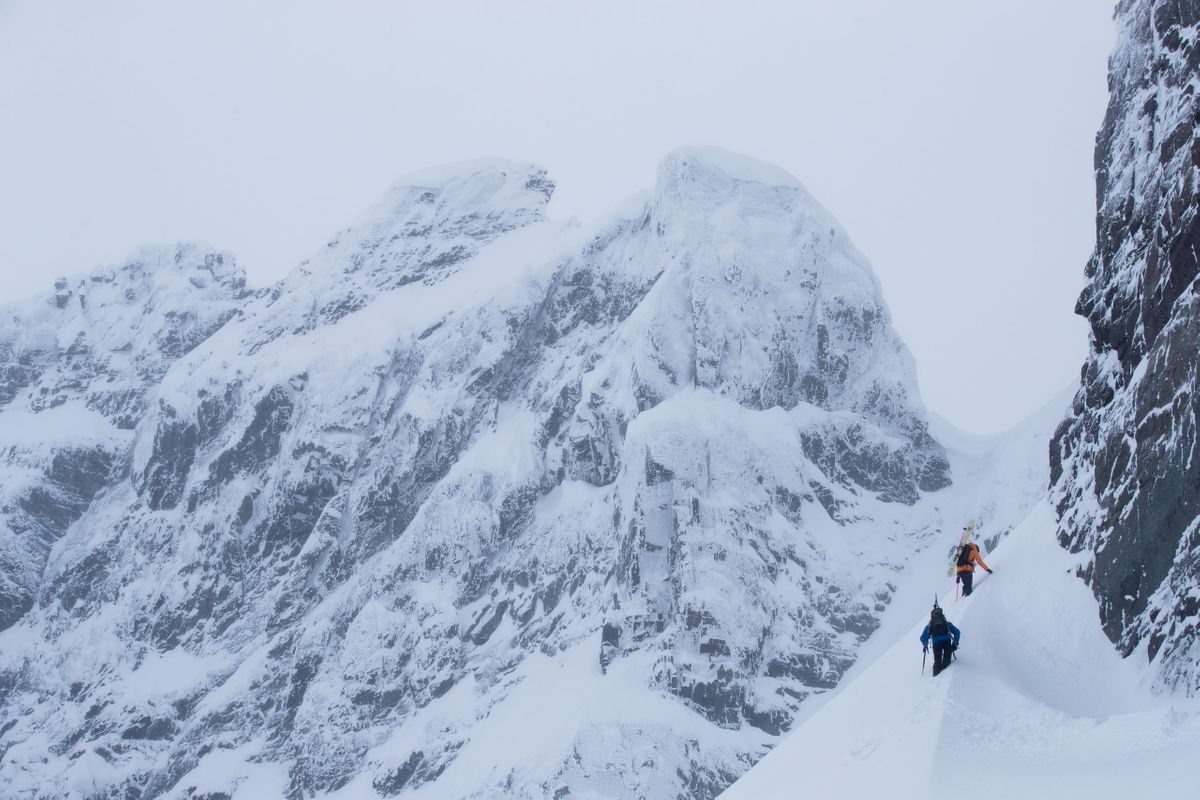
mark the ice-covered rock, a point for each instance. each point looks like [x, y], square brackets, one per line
[76, 367]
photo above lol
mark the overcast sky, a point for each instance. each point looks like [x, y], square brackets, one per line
[952, 138]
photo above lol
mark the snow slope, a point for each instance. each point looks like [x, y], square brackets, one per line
[1039, 703]
[998, 480]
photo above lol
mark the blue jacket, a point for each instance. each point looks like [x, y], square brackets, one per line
[941, 637]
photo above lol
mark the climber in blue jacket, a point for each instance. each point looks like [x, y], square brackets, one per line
[944, 637]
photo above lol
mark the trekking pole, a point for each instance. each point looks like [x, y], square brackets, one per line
[924, 652]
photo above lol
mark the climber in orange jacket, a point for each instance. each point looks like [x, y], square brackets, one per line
[968, 557]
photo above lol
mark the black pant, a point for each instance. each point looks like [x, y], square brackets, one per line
[966, 578]
[942, 653]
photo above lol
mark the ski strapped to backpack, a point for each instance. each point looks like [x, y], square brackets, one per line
[967, 533]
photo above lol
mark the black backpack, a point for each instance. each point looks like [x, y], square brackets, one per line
[937, 623]
[964, 555]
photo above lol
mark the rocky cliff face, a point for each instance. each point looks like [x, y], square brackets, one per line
[1125, 464]
[472, 504]
[76, 368]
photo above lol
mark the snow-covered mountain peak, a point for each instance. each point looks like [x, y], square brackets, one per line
[131, 320]
[169, 277]
[427, 227]
[488, 192]
[782, 308]
[464, 447]
[439, 175]
[710, 167]
[754, 210]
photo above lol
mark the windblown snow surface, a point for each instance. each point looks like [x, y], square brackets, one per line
[1038, 702]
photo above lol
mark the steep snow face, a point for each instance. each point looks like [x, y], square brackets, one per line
[75, 369]
[642, 488]
[1124, 463]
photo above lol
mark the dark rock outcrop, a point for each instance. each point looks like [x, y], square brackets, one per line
[1125, 464]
